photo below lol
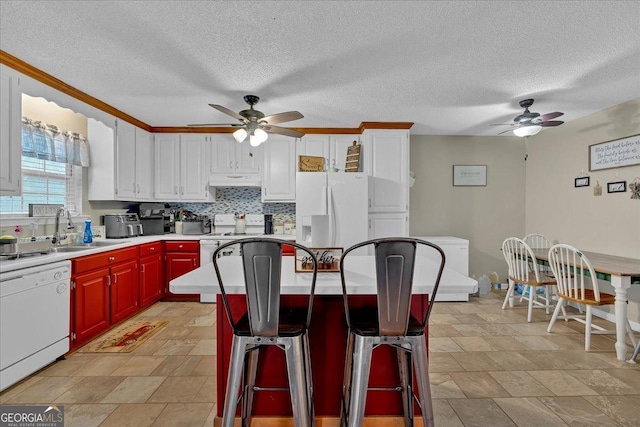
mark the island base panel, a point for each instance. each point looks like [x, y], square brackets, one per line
[327, 338]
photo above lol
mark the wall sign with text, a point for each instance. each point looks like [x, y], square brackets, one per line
[328, 260]
[615, 154]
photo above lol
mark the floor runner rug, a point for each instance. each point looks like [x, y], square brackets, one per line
[125, 338]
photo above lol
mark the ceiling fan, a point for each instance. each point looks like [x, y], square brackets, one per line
[528, 123]
[255, 124]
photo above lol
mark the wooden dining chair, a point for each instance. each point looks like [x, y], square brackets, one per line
[524, 269]
[577, 282]
[538, 241]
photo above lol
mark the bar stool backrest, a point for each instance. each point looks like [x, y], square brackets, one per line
[395, 260]
[262, 265]
[574, 273]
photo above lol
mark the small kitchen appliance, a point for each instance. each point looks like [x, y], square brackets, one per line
[196, 225]
[268, 224]
[155, 219]
[119, 226]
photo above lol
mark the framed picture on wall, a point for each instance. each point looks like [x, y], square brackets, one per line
[582, 181]
[469, 175]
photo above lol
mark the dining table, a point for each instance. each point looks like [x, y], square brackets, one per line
[622, 272]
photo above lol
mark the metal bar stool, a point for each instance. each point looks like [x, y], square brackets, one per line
[267, 323]
[389, 323]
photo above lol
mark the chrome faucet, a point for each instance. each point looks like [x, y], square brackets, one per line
[56, 234]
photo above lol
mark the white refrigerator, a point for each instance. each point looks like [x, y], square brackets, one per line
[331, 209]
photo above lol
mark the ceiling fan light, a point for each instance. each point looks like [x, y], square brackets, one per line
[240, 135]
[258, 137]
[527, 130]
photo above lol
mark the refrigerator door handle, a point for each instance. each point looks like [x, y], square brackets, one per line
[332, 217]
[324, 200]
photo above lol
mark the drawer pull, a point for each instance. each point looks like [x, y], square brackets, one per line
[112, 258]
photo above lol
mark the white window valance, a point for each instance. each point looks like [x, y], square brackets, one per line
[47, 142]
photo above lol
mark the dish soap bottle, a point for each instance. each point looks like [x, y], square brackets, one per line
[88, 235]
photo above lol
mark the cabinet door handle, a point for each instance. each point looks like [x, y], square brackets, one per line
[236, 164]
[230, 165]
[194, 262]
[369, 202]
[115, 279]
[152, 249]
[181, 189]
[109, 280]
[142, 268]
[134, 187]
[138, 187]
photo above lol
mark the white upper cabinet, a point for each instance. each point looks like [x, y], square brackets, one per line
[313, 145]
[386, 159]
[166, 177]
[121, 165]
[333, 148]
[193, 180]
[180, 165]
[125, 160]
[10, 134]
[280, 165]
[144, 165]
[338, 149]
[231, 158]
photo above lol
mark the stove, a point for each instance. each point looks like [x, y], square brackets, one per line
[226, 225]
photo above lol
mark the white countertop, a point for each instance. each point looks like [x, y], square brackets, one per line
[7, 265]
[359, 273]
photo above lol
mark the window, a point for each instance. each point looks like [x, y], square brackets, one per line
[45, 181]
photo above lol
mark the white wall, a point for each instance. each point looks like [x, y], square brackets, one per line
[483, 215]
[609, 223]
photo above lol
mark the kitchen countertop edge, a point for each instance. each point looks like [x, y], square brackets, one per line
[38, 260]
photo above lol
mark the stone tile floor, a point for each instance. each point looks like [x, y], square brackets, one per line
[489, 367]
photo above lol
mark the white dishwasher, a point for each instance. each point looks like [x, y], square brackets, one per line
[34, 319]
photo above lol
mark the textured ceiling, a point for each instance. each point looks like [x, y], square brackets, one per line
[451, 67]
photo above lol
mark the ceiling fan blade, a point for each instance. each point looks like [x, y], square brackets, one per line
[284, 131]
[502, 124]
[550, 116]
[282, 117]
[551, 123]
[228, 112]
[505, 131]
[214, 124]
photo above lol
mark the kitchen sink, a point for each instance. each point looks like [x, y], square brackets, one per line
[60, 249]
[102, 243]
[85, 247]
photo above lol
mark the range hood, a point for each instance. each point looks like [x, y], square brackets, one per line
[235, 181]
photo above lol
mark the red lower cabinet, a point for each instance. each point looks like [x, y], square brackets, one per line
[105, 290]
[181, 257]
[125, 290]
[91, 305]
[151, 273]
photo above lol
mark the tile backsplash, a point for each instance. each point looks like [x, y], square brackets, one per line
[243, 200]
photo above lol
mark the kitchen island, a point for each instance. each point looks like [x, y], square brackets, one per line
[327, 332]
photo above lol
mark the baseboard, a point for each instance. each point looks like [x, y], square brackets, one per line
[381, 421]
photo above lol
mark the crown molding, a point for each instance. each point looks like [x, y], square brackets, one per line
[39, 75]
[49, 80]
